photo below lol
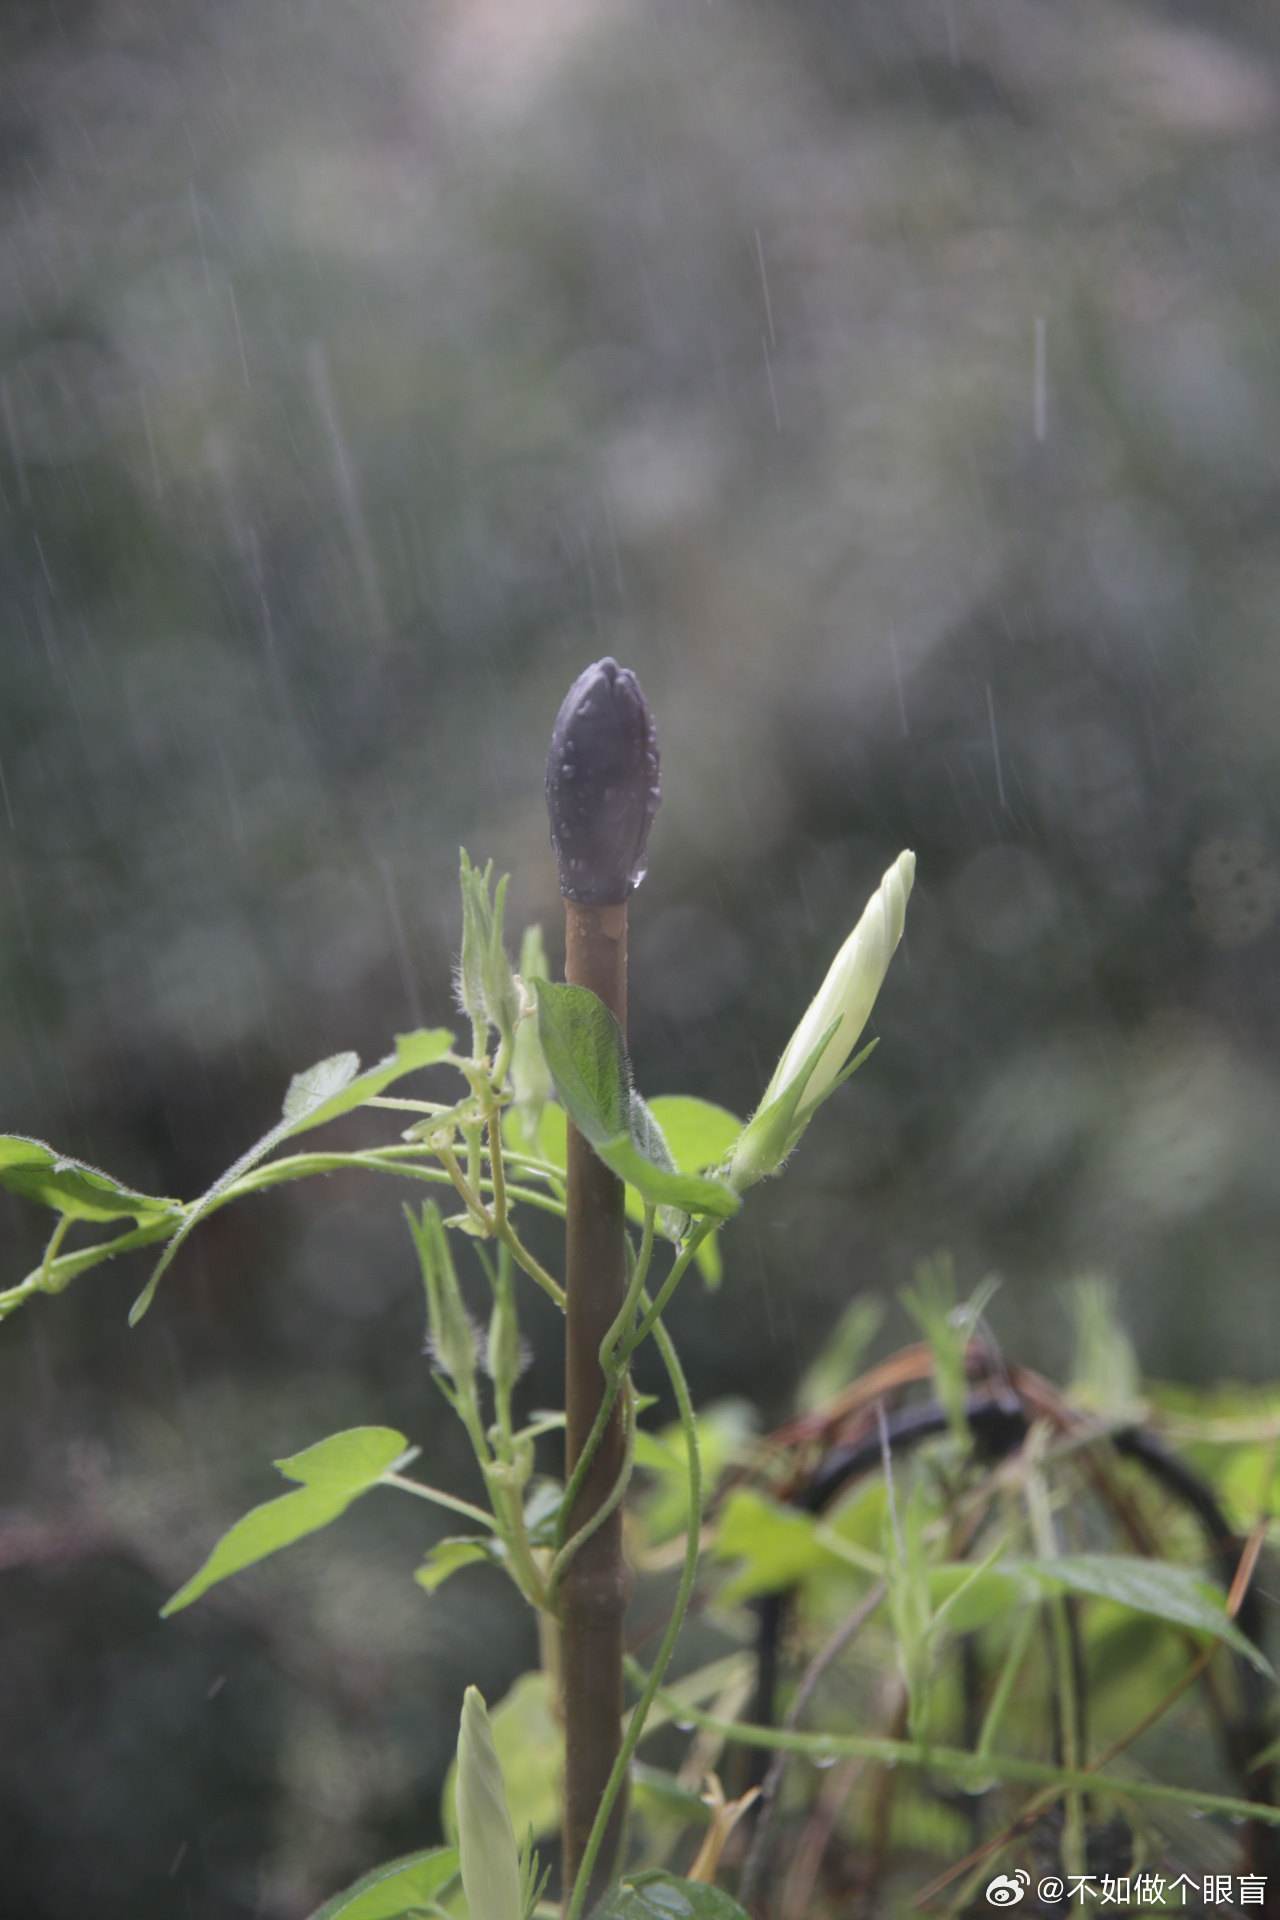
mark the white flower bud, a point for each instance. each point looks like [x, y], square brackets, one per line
[811, 1065]
[849, 991]
[487, 1851]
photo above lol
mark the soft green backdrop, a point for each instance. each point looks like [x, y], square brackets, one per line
[894, 384]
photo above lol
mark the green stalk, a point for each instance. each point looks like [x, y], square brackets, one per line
[1014, 1657]
[963, 1765]
[679, 1268]
[1044, 1537]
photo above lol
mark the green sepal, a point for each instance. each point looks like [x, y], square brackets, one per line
[769, 1135]
[453, 1344]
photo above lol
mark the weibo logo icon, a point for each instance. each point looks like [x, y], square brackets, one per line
[1007, 1889]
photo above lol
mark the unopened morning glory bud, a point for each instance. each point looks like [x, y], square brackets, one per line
[488, 1858]
[452, 1339]
[486, 988]
[602, 785]
[530, 1074]
[815, 1057]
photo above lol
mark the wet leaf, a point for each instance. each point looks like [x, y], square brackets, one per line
[39, 1173]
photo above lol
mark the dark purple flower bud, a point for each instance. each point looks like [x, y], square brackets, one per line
[602, 785]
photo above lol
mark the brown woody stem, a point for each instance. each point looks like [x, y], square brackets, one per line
[596, 1585]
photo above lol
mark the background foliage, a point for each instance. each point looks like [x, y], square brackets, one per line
[363, 373]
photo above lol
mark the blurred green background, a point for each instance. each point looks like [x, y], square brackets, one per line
[895, 385]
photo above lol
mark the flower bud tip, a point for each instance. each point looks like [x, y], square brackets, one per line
[602, 784]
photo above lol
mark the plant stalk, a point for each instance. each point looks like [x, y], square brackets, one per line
[596, 1585]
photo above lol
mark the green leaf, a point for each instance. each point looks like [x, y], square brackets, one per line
[394, 1889]
[553, 1135]
[726, 1431]
[1156, 1587]
[697, 1133]
[314, 1085]
[685, 1149]
[658, 1895]
[658, 1795]
[315, 1096]
[37, 1172]
[447, 1556]
[333, 1472]
[530, 1746]
[584, 1049]
[698, 1136]
[778, 1546]
[661, 1187]
[542, 1511]
[970, 1597]
[329, 1088]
